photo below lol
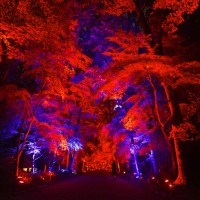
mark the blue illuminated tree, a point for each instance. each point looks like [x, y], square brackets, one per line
[36, 147]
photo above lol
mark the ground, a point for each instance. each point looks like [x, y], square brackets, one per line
[95, 187]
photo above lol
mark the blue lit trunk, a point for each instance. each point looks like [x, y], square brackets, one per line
[153, 162]
[54, 161]
[33, 164]
[136, 164]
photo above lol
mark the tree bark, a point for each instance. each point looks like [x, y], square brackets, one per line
[176, 120]
[175, 113]
[33, 164]
[181, 179]
[162, 124]
[152, 158]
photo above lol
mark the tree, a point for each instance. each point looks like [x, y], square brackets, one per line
[177, 10]
[151, 69]
[36, 147]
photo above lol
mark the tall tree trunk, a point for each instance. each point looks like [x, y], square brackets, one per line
[176, 120]
[134, 156]
[162, 124]
[136, 163]
[17, 165]
[181, 179]
[153, 162]
[33, 163]
[51, 165]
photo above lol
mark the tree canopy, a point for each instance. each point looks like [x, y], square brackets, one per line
[92, 81]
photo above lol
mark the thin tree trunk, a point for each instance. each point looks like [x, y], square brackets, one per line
[168, 99]
[134, 157]
[5, 74]
[18, 150]
[33, 163]
[17, 166]
[153, 162]
[136, 163]
[22, 147]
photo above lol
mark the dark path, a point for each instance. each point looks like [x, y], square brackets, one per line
[90, 188]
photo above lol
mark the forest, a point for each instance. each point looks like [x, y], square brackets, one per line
[86, 82]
